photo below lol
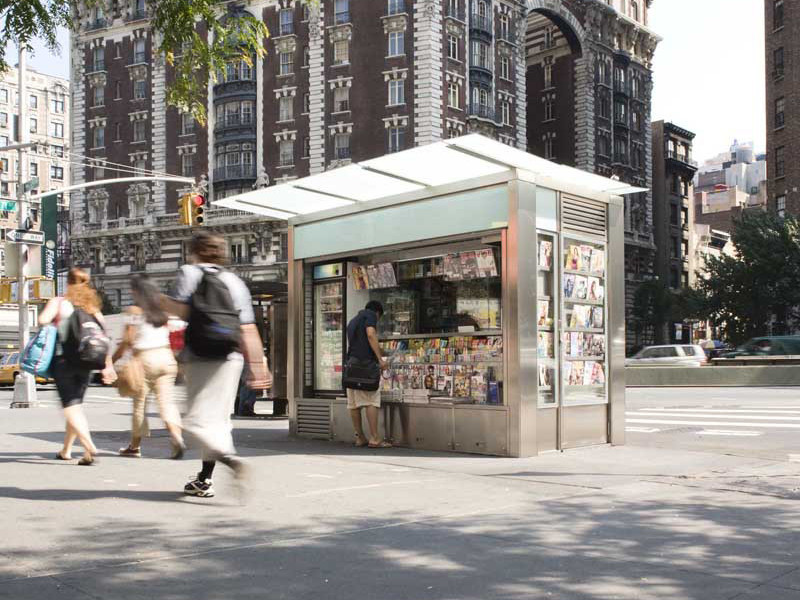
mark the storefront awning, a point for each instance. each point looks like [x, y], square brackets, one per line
[426, 167]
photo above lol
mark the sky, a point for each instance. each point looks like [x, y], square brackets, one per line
[708, 70]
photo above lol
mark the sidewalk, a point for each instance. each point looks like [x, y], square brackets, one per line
[333, 522]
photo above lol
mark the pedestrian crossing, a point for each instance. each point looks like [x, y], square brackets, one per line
[739, 421]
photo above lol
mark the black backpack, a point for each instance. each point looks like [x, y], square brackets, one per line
[87, 344]
[213, 329]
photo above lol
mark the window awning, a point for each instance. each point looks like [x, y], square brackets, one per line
[425, 167]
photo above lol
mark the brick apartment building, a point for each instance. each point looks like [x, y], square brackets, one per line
[344, 81]
[782, 38]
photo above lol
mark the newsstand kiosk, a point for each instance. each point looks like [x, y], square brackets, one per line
[502, 279]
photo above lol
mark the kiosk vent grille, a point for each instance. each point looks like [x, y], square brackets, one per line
[582, 215]
[314, 420]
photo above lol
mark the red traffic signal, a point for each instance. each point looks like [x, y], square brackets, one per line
[198, 209]
[198, 200]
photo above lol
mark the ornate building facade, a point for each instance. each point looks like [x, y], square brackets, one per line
[348, 80]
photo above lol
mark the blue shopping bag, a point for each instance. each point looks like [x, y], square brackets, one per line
[39, 352]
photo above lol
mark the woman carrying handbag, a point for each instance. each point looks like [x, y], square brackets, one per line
[152, 366]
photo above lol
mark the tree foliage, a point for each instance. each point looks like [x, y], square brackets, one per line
[197, 37]
[756, 292]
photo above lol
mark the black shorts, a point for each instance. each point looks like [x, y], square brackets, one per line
[71, 381]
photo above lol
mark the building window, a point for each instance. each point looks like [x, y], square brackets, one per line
[780, 165]
[621, 151]
[504, 28]
[286, 153]
[483, 10]
[286, 108]
[548, 76]
[57, 151]
[780, 107]
[57, 105]
[341, 52]
[397, 139]
[98, 96]
[505, 110]
[3, 119]
[307, 102]
[4, 165]
[139, 51]
[549, 38]
[306, 12]
[397, 92]
[187, 165]
[33, 101]
[187, 124]
[5, 190]
[549, 151]
[620, 113]
[237, 70]
[480, 54]
[397, 41]
[673, 215]
[635, 11]
[34, 169]
[453, 95]
[636, 120]
[140, 89]
[777, 14]
[117, 91]
[452, 47]
[306, 56]
[3, 143]
[287, 63]
[140, 166]
[98, 59]
[34, 124]
[286, 21]
[549, 110]
[4, 96]
[780, 205]
[341, 99]
[98, 137]
[306, 147]
[396, 7]
[341, 11]
[139, 130]
[117, 132]
[777, 59]
[238, 252]
[341, 145]
[505, 67]
[232, 114]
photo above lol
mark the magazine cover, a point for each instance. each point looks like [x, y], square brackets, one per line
[569, 285]
[598, 261]
[581, 317]
[544, 313]
[581, 287]
[469, 265]
[576, 376]
[544, 348]
[545, 376]
[417, 377]
[486, 265]
[478, 385]
[461, 382]
[567, 372]
[452, 267]
[576, 339]
[545, 255]
[586, 257]
[360, 281]
[388, 278]
[596, 291]
[597, 317]
[598, 374]
[373, 278]
[588, 372]
[429, 382]
[573, 258]
[597, 345]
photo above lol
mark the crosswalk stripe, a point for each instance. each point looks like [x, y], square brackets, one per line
[713, 416]
[715, 423]
[716, 409]
[729, 433]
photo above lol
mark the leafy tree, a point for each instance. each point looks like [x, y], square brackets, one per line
[183, 29]
[758, 290]
[652, 307]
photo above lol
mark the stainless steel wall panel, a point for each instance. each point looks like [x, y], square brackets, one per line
[481, 431]
[430, 427]
[616, 323]
[547, 429]
[585, 425]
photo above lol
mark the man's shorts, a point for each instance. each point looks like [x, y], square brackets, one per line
[360, 399]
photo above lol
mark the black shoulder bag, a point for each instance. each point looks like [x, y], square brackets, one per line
[360, 374]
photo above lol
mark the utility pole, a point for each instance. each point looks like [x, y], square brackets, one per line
[25, 384]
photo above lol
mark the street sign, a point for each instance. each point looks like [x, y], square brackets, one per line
[31, 185]
[20, 236]
[9, 205]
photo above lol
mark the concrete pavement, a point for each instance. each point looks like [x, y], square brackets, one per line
[333, 522]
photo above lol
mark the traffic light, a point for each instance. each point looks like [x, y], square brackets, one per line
[198, 208]
[184, 209]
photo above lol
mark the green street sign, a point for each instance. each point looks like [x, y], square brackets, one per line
[9, 205]
[31, 185]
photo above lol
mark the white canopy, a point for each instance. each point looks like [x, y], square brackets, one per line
[443, 163]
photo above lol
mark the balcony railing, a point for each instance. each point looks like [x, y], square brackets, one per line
[286, 161]
[481, 23]
[100, 23]
[235, 172]
[482, 111]
[98, 65]
[234, 120]
[341, 106]
[342, 153]
[622, 87]
[286, 28]
[680, 157]
[507, 35]
[455, 12]
[139, 58]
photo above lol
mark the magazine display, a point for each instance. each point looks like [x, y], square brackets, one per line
[596, 291]
[360, 281]
[582, 257]
[545, 376]
[543, 314]
[578, 344]
[544, 347]
[545, 255]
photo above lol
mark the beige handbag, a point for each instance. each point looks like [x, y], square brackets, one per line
[130, 378]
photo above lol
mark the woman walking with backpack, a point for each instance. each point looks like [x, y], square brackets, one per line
[147, 337]
[77, 315]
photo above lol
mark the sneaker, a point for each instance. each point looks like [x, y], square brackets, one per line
[132, 452]
[201, 489]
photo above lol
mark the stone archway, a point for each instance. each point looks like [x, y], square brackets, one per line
[557, 12]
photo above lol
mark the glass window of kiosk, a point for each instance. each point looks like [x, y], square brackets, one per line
[441, 327]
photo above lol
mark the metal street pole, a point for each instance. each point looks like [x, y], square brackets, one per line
[25, 384]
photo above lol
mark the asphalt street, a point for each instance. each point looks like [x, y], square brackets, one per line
[677, 513]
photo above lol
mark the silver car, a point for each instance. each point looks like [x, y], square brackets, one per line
[674, 355]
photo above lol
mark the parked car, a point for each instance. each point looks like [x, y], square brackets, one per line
[777, 345]
[674, 355]
[10, 368]
[715, 348]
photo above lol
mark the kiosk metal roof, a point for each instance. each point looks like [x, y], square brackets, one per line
[445, 163]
